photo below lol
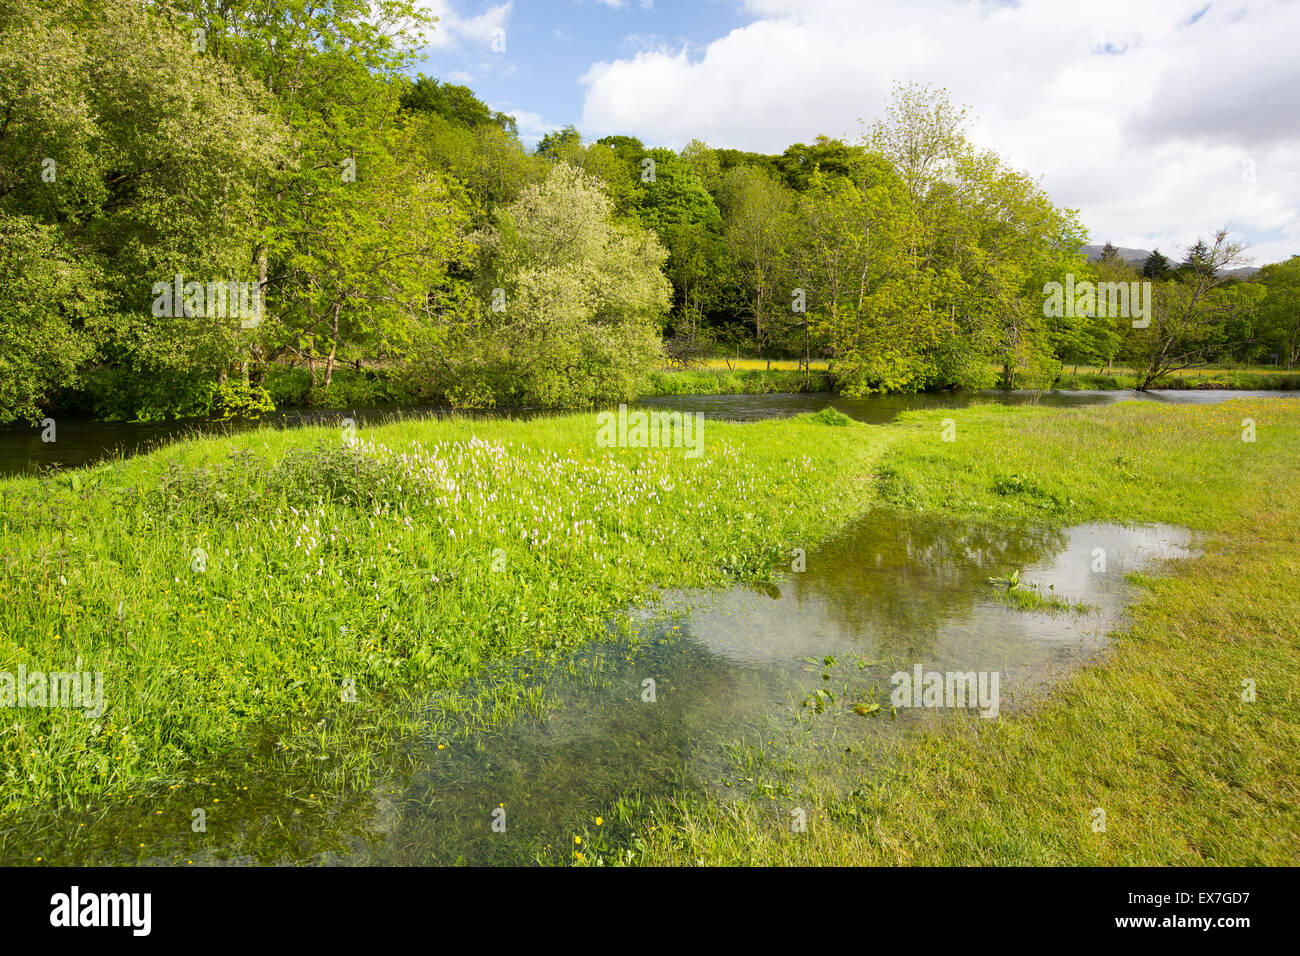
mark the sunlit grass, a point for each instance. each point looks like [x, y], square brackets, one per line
[713, 381]
[234, 590]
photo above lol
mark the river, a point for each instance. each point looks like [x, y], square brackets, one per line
[83, 441]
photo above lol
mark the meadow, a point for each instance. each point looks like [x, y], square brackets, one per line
[306, 590]
[241, 588]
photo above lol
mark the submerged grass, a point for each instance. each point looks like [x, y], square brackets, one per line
[1030, 598]
[1178, 748]
[293, 590]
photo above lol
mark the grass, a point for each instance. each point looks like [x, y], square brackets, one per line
[233, 590]
[1030, 598]
[742, 381]
[762, 364]
[431, 552]
[1159, 735]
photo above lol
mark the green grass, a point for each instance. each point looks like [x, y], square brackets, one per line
[326, 563]
[406, 565]
[1157, 735]
[1029, 598]
[750, 363]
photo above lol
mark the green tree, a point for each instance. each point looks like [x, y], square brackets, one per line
[1280, 309]
[455, 103]
[1156, 266]
[1191, 315]
[573, 298]
[1110, 255]
[343, 249]
[153, 154]
[48, 294]
[757, 209]
[982, 238]
[554, 145]
[829, 157]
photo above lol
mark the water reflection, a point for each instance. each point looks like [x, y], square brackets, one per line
[659, 710]
[888, 594]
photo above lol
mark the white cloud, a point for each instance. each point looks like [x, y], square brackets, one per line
[532, 126]
[1142, 116]
[453, 28]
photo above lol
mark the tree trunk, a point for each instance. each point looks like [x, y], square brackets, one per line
[261, 304]
[334, 345]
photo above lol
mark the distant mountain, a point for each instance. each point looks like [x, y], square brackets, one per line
[1131, 256]
[1135, 257]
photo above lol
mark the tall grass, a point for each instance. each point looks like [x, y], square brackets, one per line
[1210, 378]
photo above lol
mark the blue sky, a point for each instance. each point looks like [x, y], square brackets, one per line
[550, 45]
[1159, 121]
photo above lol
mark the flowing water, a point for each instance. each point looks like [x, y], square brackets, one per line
[697, 694]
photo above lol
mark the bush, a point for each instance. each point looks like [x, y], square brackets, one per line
[831, 416]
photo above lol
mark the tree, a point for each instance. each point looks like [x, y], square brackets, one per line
[1190, 314]
[828, 157]
[579, 299]
[1088, 339]
[1110, 255]
[980, 237]
[455, 103]
[757, 210]
[341, 251]
[363, 256]
[835, 257]
[705, 162]
[554, 144]
[142, 155]
[1280, 309]
[49, 293]
[673, 195]
[490, 163]
[1156, 266]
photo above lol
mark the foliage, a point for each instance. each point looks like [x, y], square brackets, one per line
[580, 298]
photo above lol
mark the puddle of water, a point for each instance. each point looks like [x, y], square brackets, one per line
[884, 597]
[887, 593]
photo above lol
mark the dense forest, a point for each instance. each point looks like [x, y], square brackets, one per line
[211, 207]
